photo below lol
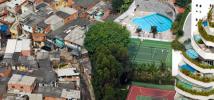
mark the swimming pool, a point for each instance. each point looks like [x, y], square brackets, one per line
[187, 67]
[163, 23]
[192, 53]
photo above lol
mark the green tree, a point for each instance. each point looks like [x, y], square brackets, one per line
[106, 34]
[182, 3]
[154, 30]
[107, 45]
[176, 45]
[121, 5]
[116, 5]
[179, 33]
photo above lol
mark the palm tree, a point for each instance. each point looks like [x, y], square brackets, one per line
[154, 30]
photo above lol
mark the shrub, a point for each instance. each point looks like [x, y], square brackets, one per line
[179, 33]
[176, 45]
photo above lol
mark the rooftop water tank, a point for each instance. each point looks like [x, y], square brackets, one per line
[4, 28]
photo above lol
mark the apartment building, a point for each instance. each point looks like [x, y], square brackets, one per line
[194, 79]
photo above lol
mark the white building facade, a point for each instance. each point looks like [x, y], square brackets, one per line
[199, 10]
[195, 75]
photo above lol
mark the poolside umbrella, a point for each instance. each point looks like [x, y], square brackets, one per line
[192, 53]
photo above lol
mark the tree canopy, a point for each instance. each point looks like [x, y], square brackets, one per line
[106, 34]
[182, 3]
[107, 46]
[121, 5]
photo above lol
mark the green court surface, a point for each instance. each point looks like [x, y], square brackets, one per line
[143, 98]
[149, 51]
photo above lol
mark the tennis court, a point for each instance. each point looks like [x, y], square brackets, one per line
[149, 51]
[142, 93]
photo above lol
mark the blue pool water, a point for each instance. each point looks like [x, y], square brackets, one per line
[205, 23]
[192, 53]
[163, 23]
[187, 67]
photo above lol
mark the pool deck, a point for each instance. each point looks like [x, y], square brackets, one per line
[126, 20]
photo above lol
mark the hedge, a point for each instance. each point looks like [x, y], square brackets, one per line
[203, 32]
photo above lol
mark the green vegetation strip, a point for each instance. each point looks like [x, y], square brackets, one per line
[194, 91]
[203, 32]
[143, 98]
[147, 85]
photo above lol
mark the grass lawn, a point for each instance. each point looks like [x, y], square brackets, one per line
[149, 51]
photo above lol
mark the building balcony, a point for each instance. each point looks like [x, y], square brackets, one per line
[203, 68]
[194, 92]
[196, 78]
[205, 53]
[187, 94]
[208, 38]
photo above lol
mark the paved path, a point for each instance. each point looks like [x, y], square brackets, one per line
[186, 29]
[89, 86]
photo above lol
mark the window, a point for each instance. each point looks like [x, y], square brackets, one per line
[200, 6]
[196, 19]
[13, 87]
[21, 87]
[196, 5]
